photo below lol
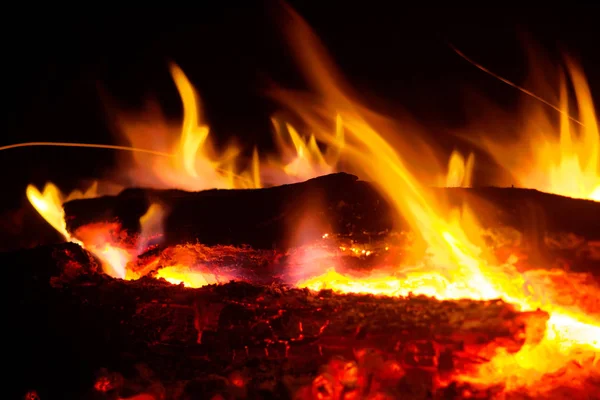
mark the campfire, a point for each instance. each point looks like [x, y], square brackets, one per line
[352, 264]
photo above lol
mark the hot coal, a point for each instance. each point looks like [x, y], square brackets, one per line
[80, 332]
[149, 335]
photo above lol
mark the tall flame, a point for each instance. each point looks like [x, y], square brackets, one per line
[460, 171]
[195, 164]
[455, 266]
[454, 261]
[190, 163]
[561, 158]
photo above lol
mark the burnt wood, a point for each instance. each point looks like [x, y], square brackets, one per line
[342, 204]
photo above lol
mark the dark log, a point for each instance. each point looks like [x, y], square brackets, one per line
[263, 218]
[72, 320]
[260, 218]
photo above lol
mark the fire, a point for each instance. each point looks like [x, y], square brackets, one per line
[195, 164]
[49, 203]
[454, 261]
[454, 265]
[191, 164]
[460, 171]
[182, 274]
[114, 259]
[306, 158]
[557, 157]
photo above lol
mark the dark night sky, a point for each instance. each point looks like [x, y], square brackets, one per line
[54, 66]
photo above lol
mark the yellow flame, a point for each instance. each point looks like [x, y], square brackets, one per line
[195, 163]
[454, 261]
[306, 159]
[455, 266]
[563, 159]
[48, 204]
[181, 274]
[151, 225]
[190, 163]
[114, 259]
[460, 171]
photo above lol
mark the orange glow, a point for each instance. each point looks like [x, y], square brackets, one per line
[455, 263]
[561, 158]
[181, 274]
[49, 204]
[196, 164]
[151, 224]
[305, 158]
[114, 259]
[460, 171]
[191, 164]
[94, 238]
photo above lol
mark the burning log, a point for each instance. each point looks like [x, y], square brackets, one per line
[72, 320]
[344, 205]
[260, 218]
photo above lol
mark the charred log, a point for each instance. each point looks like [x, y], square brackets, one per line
[71, 321]
[340, 203]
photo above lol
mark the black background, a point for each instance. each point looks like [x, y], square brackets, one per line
[57, 64]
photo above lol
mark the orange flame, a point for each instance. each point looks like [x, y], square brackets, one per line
[48, 204]
[182, 274]
[454, 262]
[195, 165]
[561, 158]
[460, 171]
[307, 160]
[455, 265]
[192, 164]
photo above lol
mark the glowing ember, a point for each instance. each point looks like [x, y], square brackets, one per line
[181, 274]
[458, 266]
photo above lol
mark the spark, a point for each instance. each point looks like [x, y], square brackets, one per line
[514, 85]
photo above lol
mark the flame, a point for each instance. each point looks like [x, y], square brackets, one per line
[114, 259]
[307, 160]
[561, 158]
[455, 263]
[95, 238]
[151, 225]
[195, 164]
[192, 164]
[182, 274]
[460, 171]
[48, 204]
